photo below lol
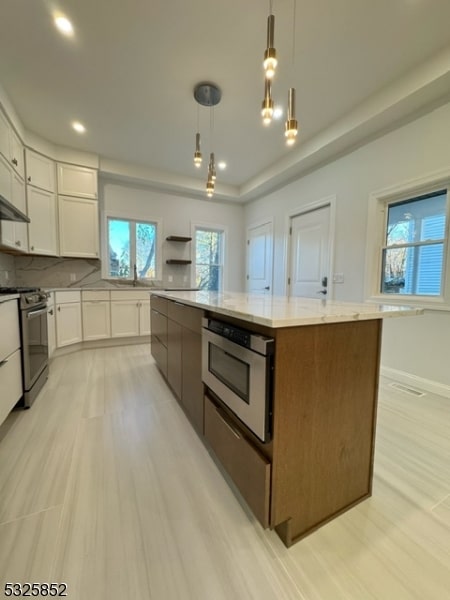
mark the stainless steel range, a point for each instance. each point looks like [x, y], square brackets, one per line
[34, 339]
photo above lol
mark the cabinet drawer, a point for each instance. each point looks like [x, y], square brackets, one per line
[64, 297]
[159, 353]
[159, 304]
[159, 326]
[95, 295]
[247, 468]
[188, 316]
[10, 383]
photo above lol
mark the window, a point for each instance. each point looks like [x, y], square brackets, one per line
[408, 254]
[413, 257]
[131, 243]
[209, 259]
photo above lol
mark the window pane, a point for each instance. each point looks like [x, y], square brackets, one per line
[417, 220]
[119, 248]
[208, 278]
[146, 249]
[208, 259]
[413, 270]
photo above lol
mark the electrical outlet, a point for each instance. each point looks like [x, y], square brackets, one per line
[338, 278]
[6, 275]
[73, 277]
[170, 278]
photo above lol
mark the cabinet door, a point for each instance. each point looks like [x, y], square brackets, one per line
[192, 386]
[124, 318]
[40, 171]
[77, 181]
[42, 230]
[96, 320]
[15, 234]
[17, 154]
[4, 136]
[5, 179]
[10, 383]
[144, 317]
[68, 324]
[174, 372]
[78, 227]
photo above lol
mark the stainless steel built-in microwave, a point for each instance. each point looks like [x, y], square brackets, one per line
[237, 365]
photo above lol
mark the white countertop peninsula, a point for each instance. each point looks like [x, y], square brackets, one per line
[284, 311]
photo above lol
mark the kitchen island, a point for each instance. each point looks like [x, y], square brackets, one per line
[318, 461]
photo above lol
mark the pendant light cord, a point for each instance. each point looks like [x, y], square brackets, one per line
[294, 18]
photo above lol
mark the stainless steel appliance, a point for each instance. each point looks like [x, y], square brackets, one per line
[237, 365]
[34, 339]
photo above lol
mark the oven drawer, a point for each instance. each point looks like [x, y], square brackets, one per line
[10, 383]
[247, 468]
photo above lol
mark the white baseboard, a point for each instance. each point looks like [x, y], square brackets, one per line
[414, 381]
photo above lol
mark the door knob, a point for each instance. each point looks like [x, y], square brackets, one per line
[267, 287]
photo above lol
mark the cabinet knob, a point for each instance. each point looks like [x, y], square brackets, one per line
[29, 178]
[32, 248]
[14, 161]
[50, 312]
[59, 309]
[18, 243]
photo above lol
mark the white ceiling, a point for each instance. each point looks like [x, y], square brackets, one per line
[129, 72]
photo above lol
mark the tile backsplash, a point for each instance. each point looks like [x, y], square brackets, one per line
[7, 270]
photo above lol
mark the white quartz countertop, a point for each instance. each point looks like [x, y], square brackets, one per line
[6, 297]
[282, 311]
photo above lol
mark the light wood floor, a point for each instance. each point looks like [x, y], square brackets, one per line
[105, 486]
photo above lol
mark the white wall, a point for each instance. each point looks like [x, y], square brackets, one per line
[178, 214]
[415, 345]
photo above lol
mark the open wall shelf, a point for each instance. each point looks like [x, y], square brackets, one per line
[178, 238]
[174, 261]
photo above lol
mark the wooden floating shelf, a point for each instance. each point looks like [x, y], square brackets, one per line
[178, 238]
[176, 261]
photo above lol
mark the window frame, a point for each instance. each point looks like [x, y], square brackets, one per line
[216, 228]
[379, 202]
[133, 218]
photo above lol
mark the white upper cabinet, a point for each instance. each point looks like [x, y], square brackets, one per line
[10, 146]
[78, 227]
[77, 181]
[42, 231]
[5, 179]
[14, 234]
[40, 171]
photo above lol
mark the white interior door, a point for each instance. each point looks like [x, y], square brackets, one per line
[309, 253]
[260, 258]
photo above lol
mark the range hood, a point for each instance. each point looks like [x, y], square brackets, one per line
[8, 212]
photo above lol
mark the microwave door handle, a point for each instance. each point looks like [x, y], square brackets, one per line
[36, 313]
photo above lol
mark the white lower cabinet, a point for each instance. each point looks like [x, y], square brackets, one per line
[144, 317]
[68, 318]
[96, 312]
[129, 316]
[42, 231]
[10, 362]
[78, 227]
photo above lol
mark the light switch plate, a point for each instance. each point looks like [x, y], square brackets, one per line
[338, 278]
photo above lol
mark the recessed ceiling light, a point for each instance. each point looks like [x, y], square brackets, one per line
[278, 112]
[63, 24]
[222, 165]
[79, 127]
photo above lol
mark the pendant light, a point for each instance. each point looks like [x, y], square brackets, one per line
[291, 125]
[270, 55]
[197, 153]
[267, 103]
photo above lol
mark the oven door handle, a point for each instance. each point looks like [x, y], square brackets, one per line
[35, 313]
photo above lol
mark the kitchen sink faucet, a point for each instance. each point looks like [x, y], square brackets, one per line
[135, 276]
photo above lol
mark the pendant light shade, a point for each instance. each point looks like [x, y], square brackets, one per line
[270, 54]
[210, 188]
[267, 103]
[291, 125]
[197, 153]
[212, 167]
